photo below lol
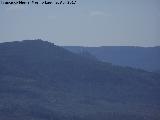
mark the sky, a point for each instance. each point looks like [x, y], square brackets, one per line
[86, 23]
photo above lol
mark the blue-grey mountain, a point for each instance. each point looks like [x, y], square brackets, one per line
[146, 58]
[42, 81]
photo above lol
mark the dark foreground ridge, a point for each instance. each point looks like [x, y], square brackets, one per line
[42, 81]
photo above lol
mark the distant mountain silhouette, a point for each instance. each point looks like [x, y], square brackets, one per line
[42, 81]
[146, 58]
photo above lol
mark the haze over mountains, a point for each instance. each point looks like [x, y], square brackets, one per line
[146, 58]
[42, 81]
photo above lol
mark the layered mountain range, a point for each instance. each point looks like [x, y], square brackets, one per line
[42, 81]
[146, 58]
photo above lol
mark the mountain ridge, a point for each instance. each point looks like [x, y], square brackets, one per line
[39, 80]
[146, 58]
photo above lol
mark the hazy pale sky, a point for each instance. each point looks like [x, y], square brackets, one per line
[88, 23]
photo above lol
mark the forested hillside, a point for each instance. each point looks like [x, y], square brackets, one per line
[42, 81]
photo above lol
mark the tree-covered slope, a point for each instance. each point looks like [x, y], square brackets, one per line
[42, 81]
